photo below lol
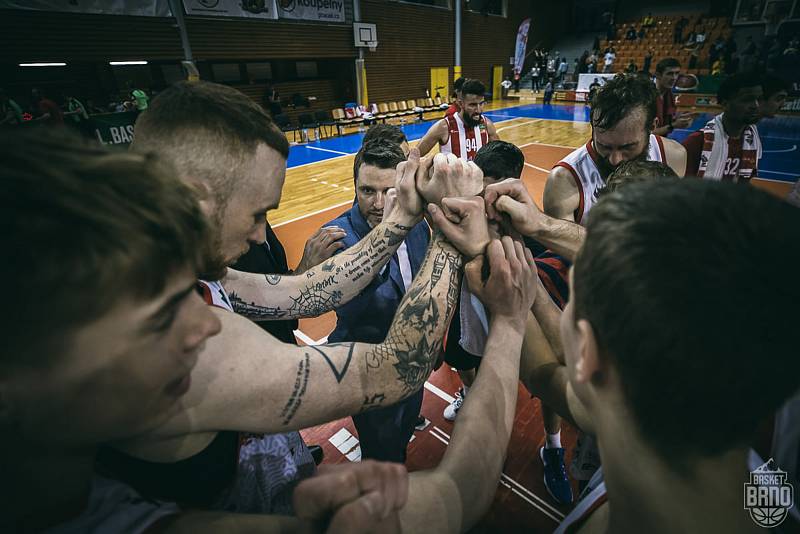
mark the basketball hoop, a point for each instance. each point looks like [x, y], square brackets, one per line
[372, 46]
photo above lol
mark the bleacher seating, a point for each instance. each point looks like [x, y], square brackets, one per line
[660, 38]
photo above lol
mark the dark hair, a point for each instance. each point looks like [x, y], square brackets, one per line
[692, 355]
[390, 132]
[731, 85]
[473, 87]
[499, 159]
[772, 84]
[380, 153]
[667, 63]
[457, 85]
[208, 130]
[85, 227]
[620, 97]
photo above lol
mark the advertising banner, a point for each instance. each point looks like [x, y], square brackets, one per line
[258, 9]
[318, 10]
[522, 44]
[139, 8]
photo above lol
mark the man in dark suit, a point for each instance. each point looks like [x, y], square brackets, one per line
[383, 433]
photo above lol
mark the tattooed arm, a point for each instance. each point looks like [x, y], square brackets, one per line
[338, 279]
[453, 496]
[246, 380]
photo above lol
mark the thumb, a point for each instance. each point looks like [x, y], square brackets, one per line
[441, 222]
[516, 210]
[459, 206]
[472, 271]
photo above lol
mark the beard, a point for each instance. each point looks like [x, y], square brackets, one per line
[469, 121]
[213, 264]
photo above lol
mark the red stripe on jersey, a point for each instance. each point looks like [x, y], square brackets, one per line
[661, 149]
[472, 143]
[578, 214]
[455, 139]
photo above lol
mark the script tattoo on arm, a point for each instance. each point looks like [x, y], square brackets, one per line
[300, 386]
[415, 337]
[333, 283]
[253, 311]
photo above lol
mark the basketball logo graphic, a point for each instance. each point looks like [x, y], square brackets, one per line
[287, 5]
[255, 6]
[768, 496]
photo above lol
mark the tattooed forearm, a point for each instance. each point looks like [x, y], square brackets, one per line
[300, 386]
[255, 312]
[415, 336]
[321, 288]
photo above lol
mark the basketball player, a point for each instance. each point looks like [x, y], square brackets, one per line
[728, 147]
[640, 363]
[667, 117]
[465, 132]
[246, 381]
[622, 116]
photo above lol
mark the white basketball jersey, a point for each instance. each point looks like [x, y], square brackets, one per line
[581, 162]
[462, 141]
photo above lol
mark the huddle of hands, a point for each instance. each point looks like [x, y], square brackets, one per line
[483, 225]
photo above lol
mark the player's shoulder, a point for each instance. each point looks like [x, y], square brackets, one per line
[561, 177]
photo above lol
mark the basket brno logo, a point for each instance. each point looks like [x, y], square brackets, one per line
[768, 496]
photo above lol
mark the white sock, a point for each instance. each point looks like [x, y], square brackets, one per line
[553, 441]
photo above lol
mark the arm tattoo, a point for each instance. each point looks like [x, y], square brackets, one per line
[415, 336]
[370, 403]
[253, 311]
[339, 374]
[273, 279]
[319, 296]
[300, 385]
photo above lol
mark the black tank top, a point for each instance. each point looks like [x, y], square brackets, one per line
[195, 482]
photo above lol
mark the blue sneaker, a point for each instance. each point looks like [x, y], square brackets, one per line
[555, 475]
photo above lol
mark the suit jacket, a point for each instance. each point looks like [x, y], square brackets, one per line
[369, 315]
[269, 260]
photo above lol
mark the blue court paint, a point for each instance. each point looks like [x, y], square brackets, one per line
[780, 137]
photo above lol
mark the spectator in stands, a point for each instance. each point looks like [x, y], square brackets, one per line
[716, 50]
[593, 87]
[595, 43]
[535, 74]
[728, 146]
[691, 41]
[505, 85]
[776, 90]
[563, 68]
[272, 100]
[718, 67]
[631, 68]
[383, 433]
[648, 21]
[648, 60]
[77, 115]
[10, 112]
[700, 38]
[611, 32]
[667, 117]
[548, 91]
[140, 99]
[608, 61]
[679, 27]
[45, 110]
[630, 35]
[641, 33]
[748, 57]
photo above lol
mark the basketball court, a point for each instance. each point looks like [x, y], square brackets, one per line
[319, 186]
